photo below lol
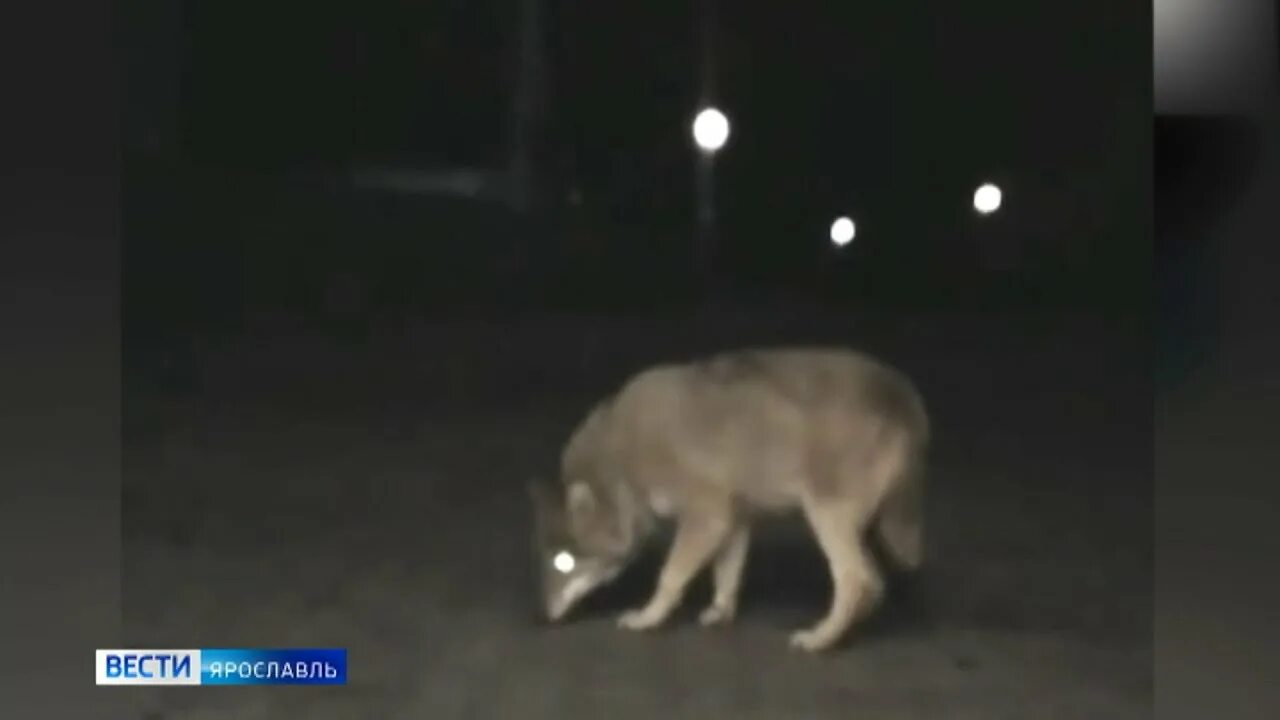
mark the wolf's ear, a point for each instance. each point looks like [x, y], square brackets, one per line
[582, 499]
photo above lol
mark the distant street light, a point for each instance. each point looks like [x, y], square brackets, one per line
[710, 130]
[987, 199]
[843, 231]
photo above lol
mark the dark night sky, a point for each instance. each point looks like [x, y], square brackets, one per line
[833, 86]
[890, 111]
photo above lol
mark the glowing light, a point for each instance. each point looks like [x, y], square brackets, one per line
[710, 130]
[564, 562]
[987, 198]
[843, 231]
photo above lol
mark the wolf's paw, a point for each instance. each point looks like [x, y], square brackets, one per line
[812, 641]
[716, 614]
[640, 619]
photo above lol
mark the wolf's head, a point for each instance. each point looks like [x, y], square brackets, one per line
[584, 538]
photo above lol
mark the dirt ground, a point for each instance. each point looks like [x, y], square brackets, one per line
[313, 491]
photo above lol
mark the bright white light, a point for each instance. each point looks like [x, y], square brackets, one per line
[843, 231]
[710, 130]
[987, 199]
[564, 562]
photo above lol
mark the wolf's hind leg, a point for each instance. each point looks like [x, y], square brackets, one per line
[697, 537]
[900, 522]
[856, 583]
[727, 576]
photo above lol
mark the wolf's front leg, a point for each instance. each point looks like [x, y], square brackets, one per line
[697, 538]
[727, 577]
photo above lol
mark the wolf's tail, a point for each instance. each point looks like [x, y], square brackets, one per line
[900, 521]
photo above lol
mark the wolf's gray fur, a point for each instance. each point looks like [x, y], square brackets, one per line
[714, 443]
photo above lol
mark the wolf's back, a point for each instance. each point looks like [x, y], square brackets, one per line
[766, 425]
[815, 379]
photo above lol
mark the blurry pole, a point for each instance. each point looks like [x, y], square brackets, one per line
[706, 255]
[706, 211]
[528, 107]
[526, 135]
[153, 118]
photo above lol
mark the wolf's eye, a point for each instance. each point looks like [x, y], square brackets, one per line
[563, 561]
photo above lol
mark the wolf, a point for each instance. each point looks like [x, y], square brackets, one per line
[715, 443]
